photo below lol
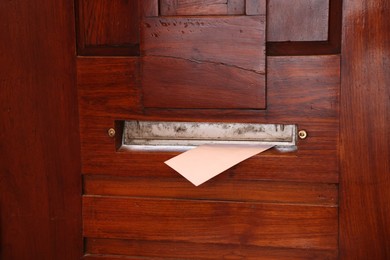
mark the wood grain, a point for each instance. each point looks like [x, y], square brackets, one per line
[180, 83]
[40, 184]
[365, 117]
[256, 191]
[108, 27]
[229, 40]
[298, 20]
[288, 226]
[184, 66]
[164, 250]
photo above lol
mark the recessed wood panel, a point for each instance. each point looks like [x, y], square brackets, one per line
[108, 27]
[190, 61]
[297, 20]
[201, 7]
[105, 248]
[271, 225]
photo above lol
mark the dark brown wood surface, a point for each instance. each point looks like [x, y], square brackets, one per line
[40, 185]
[108, 27]
[365, 117]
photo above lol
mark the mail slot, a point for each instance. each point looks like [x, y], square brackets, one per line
[157, 134]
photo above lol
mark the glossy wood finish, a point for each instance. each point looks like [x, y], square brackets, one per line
[108, 27]
[164, 250]
[298, 20]
[213, 222]
[365, 117]
[40, 185]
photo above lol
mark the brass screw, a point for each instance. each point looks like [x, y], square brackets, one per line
[302, 134]
[111, 132]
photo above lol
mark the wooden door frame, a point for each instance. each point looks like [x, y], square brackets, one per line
[365, 116]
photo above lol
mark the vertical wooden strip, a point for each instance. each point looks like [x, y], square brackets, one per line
[365, 117]
[40, 182]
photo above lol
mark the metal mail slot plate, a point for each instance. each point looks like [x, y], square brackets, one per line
[181, 134]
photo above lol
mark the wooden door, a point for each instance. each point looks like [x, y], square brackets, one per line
[306, 204]
[206, 61]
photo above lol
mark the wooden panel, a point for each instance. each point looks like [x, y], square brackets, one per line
[298, 20]
[163, 250]
[40, 184]
[259, 191]
[301, 90]
[108, 27]
[365, 117]
[185, 67]
[177, 83]
[241, 38]
[201, 7]
[255, 224]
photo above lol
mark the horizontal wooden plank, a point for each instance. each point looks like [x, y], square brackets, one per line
[256, 191]
[271, 225]
[201, 7]
[231, 40]
[164, 250]
[179, 83]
